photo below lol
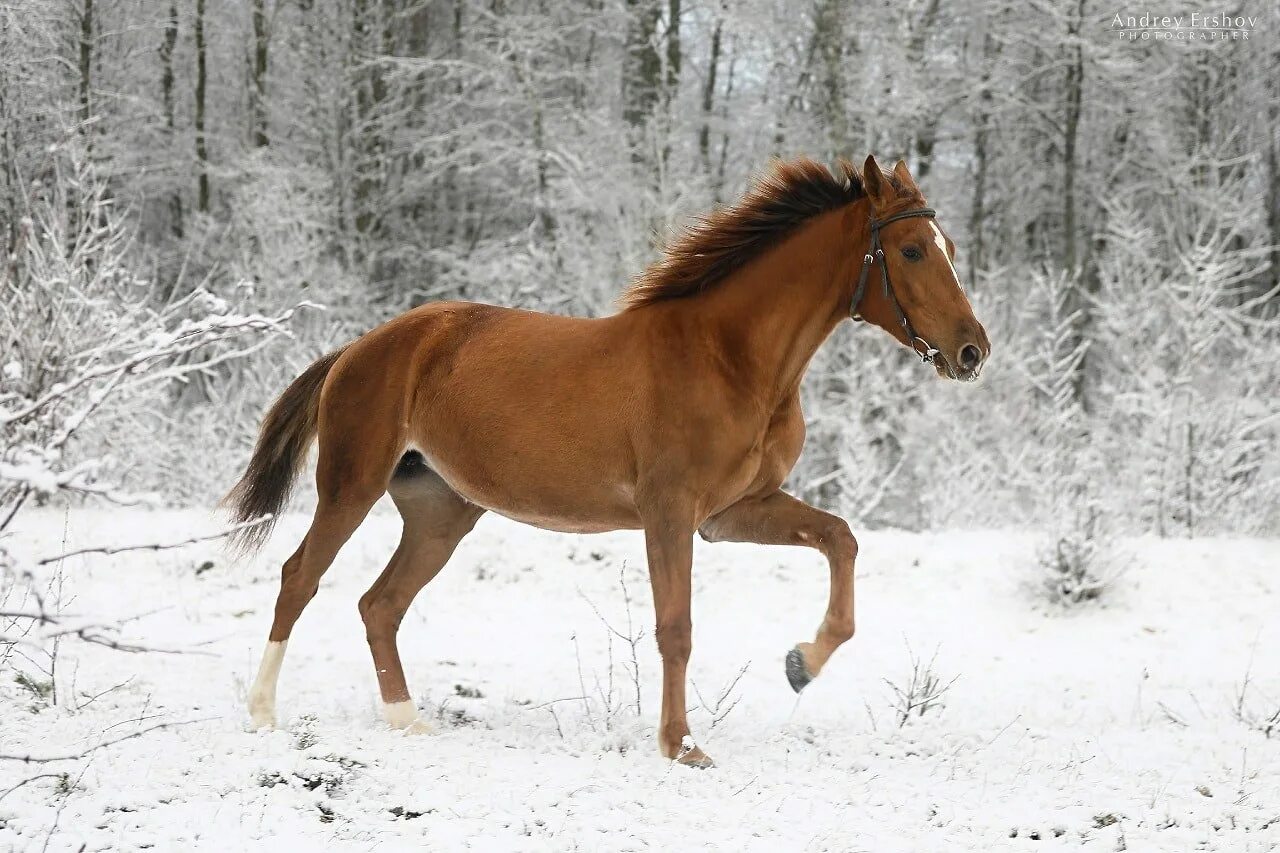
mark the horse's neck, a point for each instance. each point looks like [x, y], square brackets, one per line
[774, 313]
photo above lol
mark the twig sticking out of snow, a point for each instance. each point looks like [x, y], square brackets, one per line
[631, 637]
[159, 546]
[923, 690]
[75, 756]
[1244, 708]
[55, 625]
[725, 702]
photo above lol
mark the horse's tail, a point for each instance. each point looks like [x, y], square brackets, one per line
[286, 434]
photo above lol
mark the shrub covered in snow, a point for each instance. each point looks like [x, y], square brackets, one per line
[89, 348]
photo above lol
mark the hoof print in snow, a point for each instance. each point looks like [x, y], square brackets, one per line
[401, 813]
[797, 675]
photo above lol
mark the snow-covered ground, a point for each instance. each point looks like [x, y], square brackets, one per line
[1110, 728]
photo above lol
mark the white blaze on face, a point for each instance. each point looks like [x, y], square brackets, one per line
[941, 243]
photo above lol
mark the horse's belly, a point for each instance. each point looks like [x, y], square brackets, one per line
[593, 523]
[565, 501]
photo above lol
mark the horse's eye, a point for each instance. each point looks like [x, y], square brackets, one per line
[911, 253]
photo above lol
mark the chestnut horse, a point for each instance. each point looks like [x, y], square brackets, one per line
[679, 414]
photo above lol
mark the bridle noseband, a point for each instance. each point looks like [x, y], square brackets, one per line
[874, 255]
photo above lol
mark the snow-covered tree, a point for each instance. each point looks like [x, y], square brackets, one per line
[91, 352]
[375, 155]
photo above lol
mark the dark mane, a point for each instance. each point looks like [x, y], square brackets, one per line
[722, 241]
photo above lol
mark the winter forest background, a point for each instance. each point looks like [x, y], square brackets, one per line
[1067, 581]
[182, 181]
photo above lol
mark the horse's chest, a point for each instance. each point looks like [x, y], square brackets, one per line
[761, 467]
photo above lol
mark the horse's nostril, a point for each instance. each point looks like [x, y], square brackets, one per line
[970, 355]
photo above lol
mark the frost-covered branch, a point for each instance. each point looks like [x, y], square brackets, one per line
[158, 546]
[89, 343]
[75, 756]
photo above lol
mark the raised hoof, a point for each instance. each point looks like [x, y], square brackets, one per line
[797, 674]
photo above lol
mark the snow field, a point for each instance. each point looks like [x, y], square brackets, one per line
[1113, 727]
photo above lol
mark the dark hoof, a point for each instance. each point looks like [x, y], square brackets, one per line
[796, 673]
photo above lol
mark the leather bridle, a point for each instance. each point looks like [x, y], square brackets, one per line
[875, 254]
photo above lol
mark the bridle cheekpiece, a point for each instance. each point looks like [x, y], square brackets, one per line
[875, 254]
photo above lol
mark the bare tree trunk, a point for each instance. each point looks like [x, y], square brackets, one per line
[584, 69]
[978, 207]
[1039, 229]
[724, 135]
[1273, 176]
[75, 215]
[641, 69]
[362, 39]
[671, 85]
[1073, 89]
[417, 44]
[982, 131]
[8, 180]
[258, 85]
[167, 46]
[86, 62]
[708, 98]
[927, 135]
[673, 51]
[469, 229]
[372, 36]
[202, 151]
[1189, 473]
[830, 43]
[166, 65]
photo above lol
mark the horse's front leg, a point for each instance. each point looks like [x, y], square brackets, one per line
[669, 544]
[780, 519]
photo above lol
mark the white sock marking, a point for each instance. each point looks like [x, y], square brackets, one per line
[262, 696]
[400, 715]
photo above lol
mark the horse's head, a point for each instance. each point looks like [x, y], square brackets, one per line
[923, 305]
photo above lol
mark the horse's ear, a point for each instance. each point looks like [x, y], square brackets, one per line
[904, 177]
[873, 181]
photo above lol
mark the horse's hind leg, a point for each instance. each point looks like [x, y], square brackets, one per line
[332, 526]
[435, 520]
[345, 498]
